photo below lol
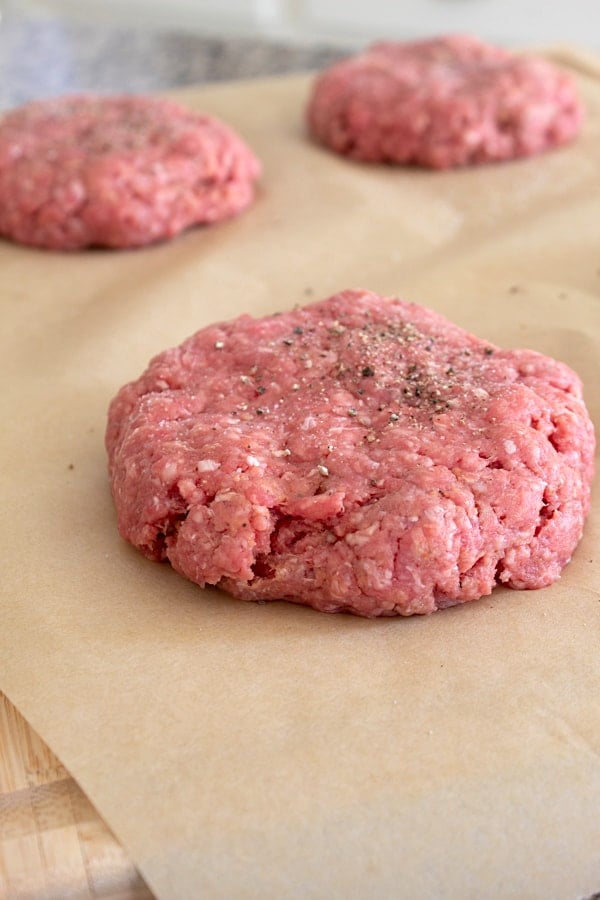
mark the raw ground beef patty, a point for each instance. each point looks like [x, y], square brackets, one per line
[116, 171]
[443, 102]
[360, 454]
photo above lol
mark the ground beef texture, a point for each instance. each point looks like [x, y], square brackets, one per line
[442, 103]
[117, 171]
[359, 454]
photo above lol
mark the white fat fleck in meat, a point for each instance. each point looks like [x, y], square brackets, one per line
[434, 513]
[359, 538]
[169, 471]
[223, 496]
[308, 423]
[208, 465]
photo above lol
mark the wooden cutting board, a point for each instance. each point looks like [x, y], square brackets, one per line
[53, 843]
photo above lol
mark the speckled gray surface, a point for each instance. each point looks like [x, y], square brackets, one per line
[40, 58]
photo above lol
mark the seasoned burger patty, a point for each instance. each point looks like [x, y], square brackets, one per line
[116, 171]
[443, 102]
[360, 454]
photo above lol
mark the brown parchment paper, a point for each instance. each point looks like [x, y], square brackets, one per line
[245, 751]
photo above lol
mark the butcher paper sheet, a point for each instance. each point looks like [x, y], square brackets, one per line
[268, 751]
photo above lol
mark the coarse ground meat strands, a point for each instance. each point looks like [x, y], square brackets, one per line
[117, 171]
[443, 102]
[359, 454]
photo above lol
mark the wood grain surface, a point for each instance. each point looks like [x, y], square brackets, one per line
[53, 843]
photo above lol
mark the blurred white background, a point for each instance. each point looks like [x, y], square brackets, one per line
[513, 22]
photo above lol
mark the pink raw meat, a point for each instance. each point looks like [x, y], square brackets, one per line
[360, 454]
[443, 102]
[117, 171]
